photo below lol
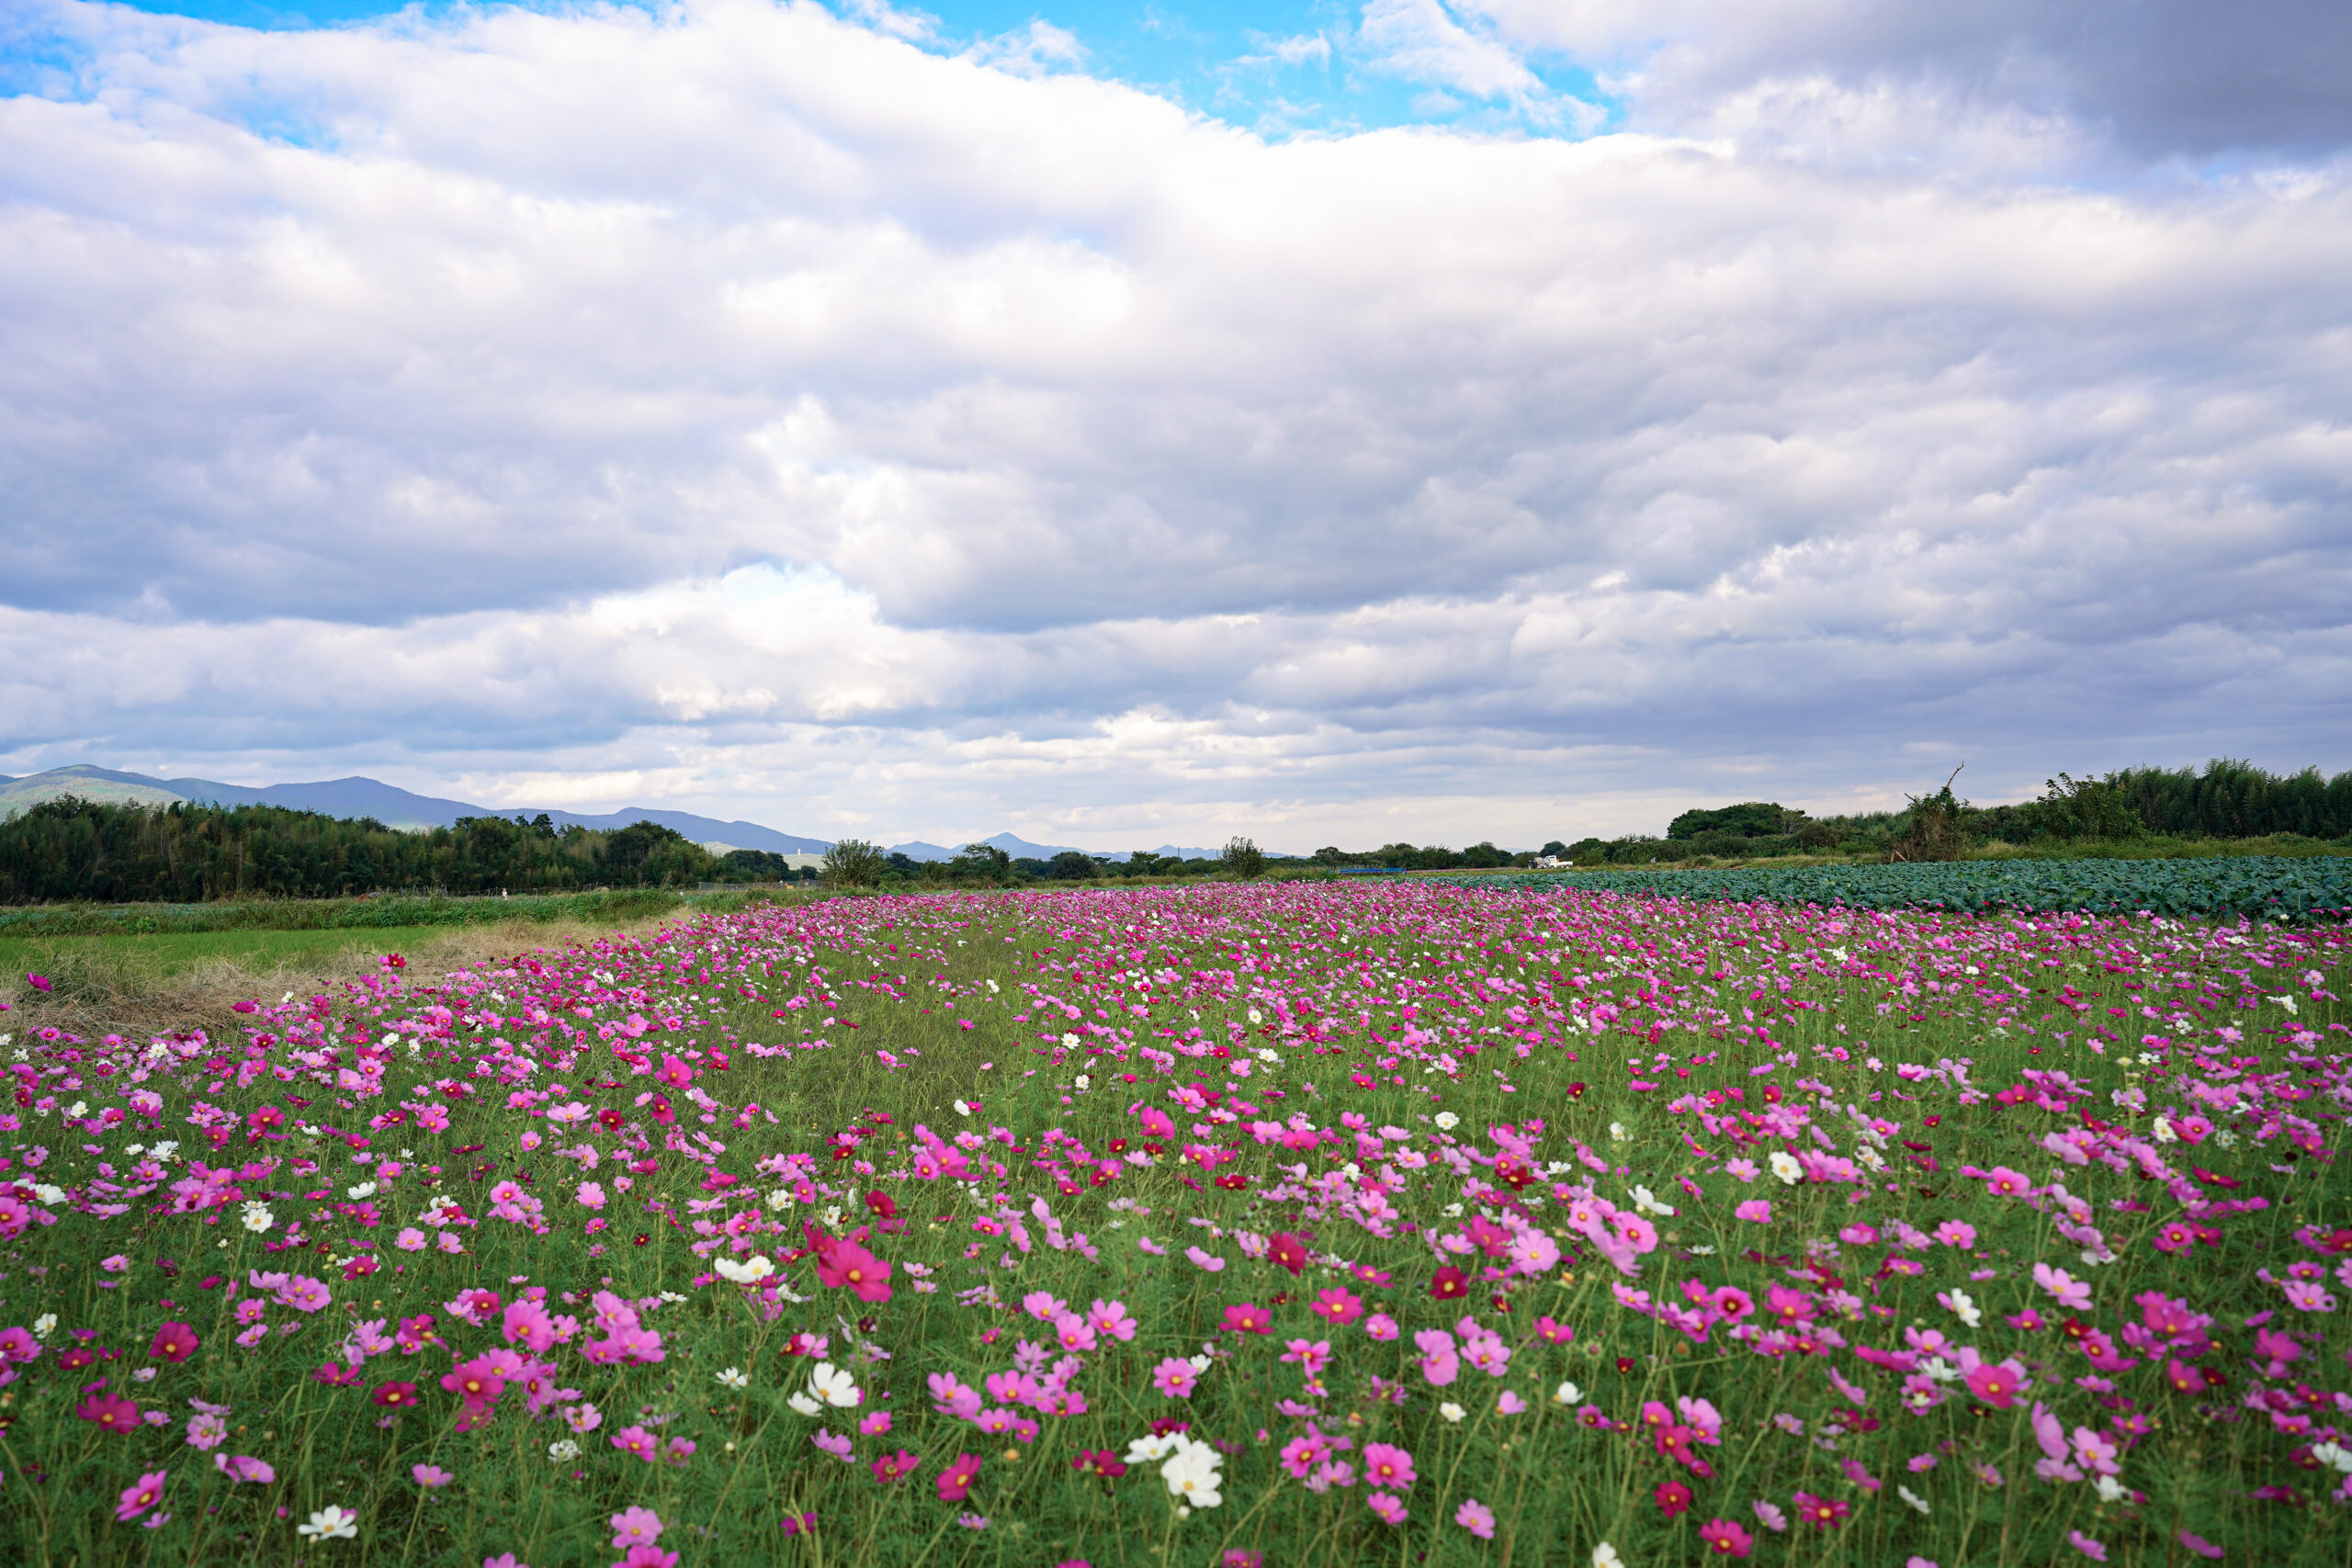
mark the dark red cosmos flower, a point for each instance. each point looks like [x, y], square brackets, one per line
[612, 1121]
[109, 1413]
[1449, 1284]
[883, 1204]
[641, 1238]
[1287, 1250]
[174, 1342]
[1673, 1498]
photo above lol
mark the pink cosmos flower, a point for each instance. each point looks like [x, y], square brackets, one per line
[1207, 1260]
[1248, 1318]
[1822, 1513]
[1386, 1464]
[1956, 1232]
[1725, 1538]
[958, 1478]
[1380, 1326]
[1312, 1356]
[631, 1525]
[430, 1476]
[1111, 1319]
[1476, 1518]
[1338, 1305]
[1439, 1364]
[638, 1442]
[648, 1556]
[1389, 1507]
[245, 1467]
[1174, 1377]
[2198, 1544]
[1757, 1211]
[2093, 1549]
[845, 1264]
[1995, 1383]
[895, 1467]
[141, 1495]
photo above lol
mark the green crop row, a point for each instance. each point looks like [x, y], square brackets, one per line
[2260, 887]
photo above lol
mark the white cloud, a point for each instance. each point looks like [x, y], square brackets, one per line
[1421, 40]
[748, 405]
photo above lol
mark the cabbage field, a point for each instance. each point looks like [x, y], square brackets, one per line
[2272, 888]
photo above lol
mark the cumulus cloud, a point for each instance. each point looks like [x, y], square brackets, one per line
[752, 406]
[2160, 77]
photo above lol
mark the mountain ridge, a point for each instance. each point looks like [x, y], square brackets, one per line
[357, 795]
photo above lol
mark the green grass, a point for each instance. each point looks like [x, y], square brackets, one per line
[165, 955]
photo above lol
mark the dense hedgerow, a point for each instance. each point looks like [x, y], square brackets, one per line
[1296, 1225]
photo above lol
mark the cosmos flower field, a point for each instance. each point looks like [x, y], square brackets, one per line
[1215, 1226]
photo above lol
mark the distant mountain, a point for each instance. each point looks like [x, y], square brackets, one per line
[397, 808]
[90, 784]
[392, 807]
[1022, 849]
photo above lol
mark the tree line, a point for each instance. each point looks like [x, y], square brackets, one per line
[2226, 799]
[69, 849]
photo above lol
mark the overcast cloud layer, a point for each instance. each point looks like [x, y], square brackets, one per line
[744, 409]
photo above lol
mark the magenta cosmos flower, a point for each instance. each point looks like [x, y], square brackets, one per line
[1725, 1538]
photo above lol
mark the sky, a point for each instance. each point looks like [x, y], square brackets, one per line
[1435, 420]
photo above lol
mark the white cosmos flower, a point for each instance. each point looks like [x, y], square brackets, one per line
[733, 1378]
[804, 1404]
[1605, 1556]
[1194, 1473]
[365, 1190]
[1785, 1167]
[2112, 1490]
[259, 1218]
[1446, 1120]
[1962, 1306]
[1148, 1451]
[1912, 1497]
[750, 1272]
[329, 1523]
[44, 1324]
[1647, 1201]
[1452, 1412]
[1568, 1394]
[779, 1199]
[834, 1386]
[962, 1108]
[564, 1451]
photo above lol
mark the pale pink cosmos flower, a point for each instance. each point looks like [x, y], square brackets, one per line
[430, 1476]
[633, 1525]
[1476, 1518]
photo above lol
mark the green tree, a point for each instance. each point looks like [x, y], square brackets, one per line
[854, 863]
[2088, 808]
[1071, 865]
[981, 862]
[1242, 859]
